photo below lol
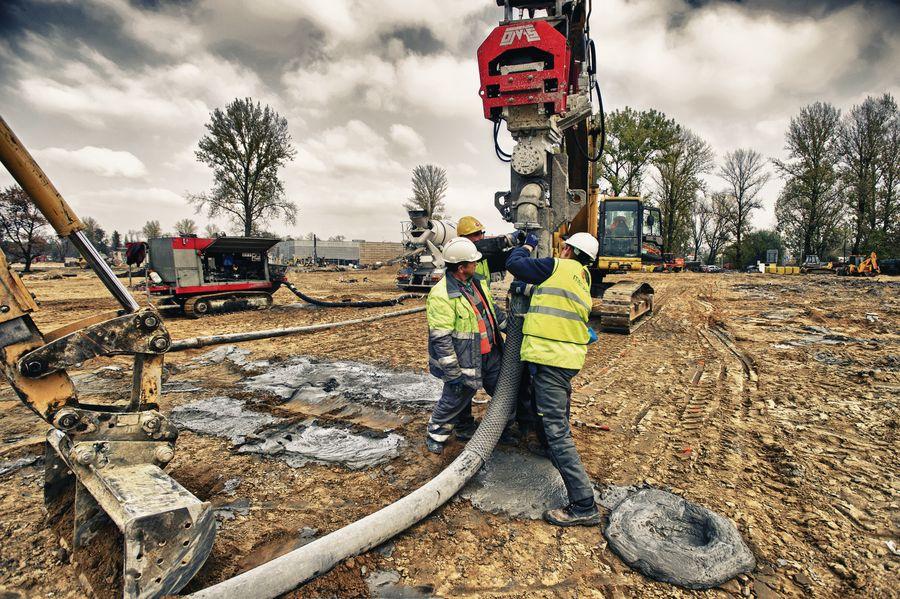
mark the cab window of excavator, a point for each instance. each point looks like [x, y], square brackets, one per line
[620, 236]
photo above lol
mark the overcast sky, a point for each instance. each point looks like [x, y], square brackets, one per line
[111, 96]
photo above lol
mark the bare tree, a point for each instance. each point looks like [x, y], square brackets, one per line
[718, 229]
[678, 180]
[888, 200]
[245, 146]
[337, 238]
[429, 187]
[22, 225]
[863, 142]
[809, 208]
[212, 230]
[185, 227]
[701, 214]
[744, 171]
[151, 230]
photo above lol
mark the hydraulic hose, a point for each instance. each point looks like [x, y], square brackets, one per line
[293, 569]
[198, 342]
[372, 304]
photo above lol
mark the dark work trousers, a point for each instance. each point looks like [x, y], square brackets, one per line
[552, 391]
[456, 408]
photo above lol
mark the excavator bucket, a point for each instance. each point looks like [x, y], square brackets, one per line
[625, 306]
[168, 533]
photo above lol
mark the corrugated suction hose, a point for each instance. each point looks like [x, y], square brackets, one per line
[293, 569]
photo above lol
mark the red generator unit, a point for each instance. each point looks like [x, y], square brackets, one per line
[206, 276]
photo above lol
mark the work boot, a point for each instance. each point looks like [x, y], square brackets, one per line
[510, 437]
[436, 435]
[466, 430]
[433, 446]
[538, 448]
[571, 515]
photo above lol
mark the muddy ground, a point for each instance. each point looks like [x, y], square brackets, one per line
[772, 400]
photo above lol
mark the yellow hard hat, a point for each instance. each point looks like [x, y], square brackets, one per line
[468, 225]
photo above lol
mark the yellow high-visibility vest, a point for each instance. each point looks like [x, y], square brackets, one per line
[555, 328]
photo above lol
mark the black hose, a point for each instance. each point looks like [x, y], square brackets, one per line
[497, 149]
[372, 304]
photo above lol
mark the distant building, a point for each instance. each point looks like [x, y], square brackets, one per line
[357, 251]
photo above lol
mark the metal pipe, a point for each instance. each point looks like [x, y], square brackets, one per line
[198, 342]
[103, 271]
[285, 573]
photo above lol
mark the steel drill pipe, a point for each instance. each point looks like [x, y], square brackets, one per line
[198, 342]
[301, 565]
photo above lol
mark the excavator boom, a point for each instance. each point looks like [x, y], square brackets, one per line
[105, 462]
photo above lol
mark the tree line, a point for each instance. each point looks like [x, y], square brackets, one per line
[25, 234]
[839, 195]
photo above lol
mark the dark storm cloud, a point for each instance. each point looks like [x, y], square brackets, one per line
[415, 39]
[303, 43]
[72, 24]
[799, 8]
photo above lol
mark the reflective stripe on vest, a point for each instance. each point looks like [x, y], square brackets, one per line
[482, 327]
[561, 305]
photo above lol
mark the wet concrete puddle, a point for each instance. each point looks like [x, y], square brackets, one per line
[296, 443]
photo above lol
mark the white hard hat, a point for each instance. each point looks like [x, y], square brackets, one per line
[586, 243]
[460, 249]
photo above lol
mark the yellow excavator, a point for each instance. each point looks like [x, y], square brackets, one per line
[103, 462]
[537, 73]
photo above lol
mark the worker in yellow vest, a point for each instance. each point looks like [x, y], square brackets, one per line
[495, 247]
[554, 346]
[464, 343]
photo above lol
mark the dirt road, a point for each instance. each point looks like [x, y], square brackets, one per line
[772, 400]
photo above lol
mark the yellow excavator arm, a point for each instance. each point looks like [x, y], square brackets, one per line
[103, 461]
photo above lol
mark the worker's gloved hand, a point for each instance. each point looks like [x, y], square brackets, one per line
[530, 240]
[520, 288]
[592, 336]
[516, 238]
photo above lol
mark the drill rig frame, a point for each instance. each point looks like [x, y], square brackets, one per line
[538, 75]
[103, 461]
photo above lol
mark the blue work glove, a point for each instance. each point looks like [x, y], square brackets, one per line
[520, 288]
[592, 336]
[515, 238]
[531, 240]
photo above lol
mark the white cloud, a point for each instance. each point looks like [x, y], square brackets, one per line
[408, 139]
[440, 85]
[79, 83]
[101, 161]
[351, 148]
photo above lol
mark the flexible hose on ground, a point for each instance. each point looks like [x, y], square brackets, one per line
[293, 569]
[197, 342]
[372, 304]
